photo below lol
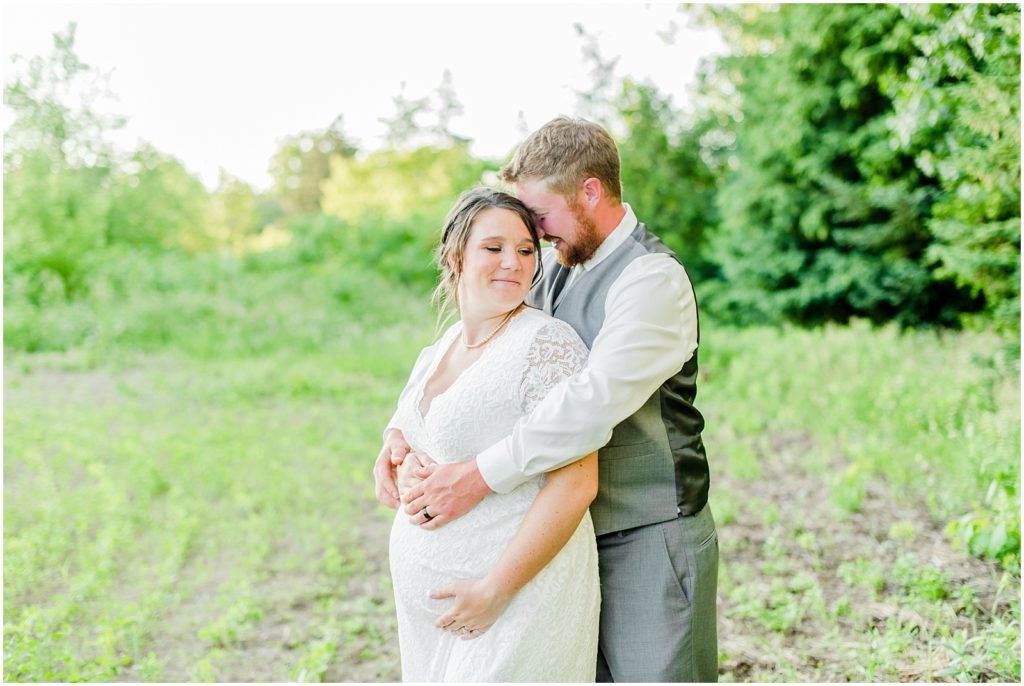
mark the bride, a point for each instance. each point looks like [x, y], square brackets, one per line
[509, 591]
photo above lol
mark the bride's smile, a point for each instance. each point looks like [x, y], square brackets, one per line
[497, 269]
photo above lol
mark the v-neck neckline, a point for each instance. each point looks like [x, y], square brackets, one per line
[437, 363]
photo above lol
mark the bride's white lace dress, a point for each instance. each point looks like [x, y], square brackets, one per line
[549, 630]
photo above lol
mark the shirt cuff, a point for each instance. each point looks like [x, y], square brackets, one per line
[497, 469]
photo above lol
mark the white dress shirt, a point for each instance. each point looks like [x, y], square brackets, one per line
[649, 332]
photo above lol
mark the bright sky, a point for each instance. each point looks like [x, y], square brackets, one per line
[217, 85]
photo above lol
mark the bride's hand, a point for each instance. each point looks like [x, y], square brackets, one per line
[405, 473]
[478, 604]
[391, 455]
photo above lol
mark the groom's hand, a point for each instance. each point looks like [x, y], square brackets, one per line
[447, 491]
[391, 455]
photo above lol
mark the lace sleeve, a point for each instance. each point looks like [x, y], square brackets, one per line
[555, 354]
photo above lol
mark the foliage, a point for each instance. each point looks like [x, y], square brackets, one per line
[303, 161]
[823, 219]
[424, 121]
[156, 203]
[57, 164]
[393, 203]
[809, 425]
[860, 161]
[235, 217]
[878, 165]
[55, 102]
[959, 111]
[664, 176]
[992, 528]
[54, 226]
[393, 184]
[205, 305]
[870, 394]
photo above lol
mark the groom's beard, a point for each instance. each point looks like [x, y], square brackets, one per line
[588, 240]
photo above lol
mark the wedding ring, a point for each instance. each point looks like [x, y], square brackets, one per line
[426, 515]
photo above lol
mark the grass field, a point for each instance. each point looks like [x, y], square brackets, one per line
[187, 492]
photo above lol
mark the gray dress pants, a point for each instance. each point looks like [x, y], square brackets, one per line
[659, 588]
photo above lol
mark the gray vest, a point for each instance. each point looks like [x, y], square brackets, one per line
[654, 467]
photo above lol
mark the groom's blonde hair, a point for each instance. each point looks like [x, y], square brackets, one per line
[564, 153]
[455, 236]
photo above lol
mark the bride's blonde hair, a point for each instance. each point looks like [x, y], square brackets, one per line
[455, 235]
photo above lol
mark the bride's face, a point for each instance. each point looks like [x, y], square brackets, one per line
[498, 264]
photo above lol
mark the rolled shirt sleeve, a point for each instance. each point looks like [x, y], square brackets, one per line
[649, 332]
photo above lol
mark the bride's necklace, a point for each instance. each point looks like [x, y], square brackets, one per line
[489, 336]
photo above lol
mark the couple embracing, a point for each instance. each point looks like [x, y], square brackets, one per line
[546, 456]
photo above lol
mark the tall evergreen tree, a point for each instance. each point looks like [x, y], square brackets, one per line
[825, 218]
[664, 176]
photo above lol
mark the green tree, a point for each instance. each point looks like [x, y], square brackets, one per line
[824, 218]
[448, 109]
[598, 102]
[155, 202]
[664, 176]
[417, 184]
[57, 167]
[235, 216]
[303, 161]
[405, 128]
[383, 209]
[392, 203]
[424, 121]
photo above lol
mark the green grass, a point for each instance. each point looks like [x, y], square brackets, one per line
[935, 415]
[202, 474]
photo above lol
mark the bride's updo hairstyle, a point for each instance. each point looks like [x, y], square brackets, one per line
[455, 235]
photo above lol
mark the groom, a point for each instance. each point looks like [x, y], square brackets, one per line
[630, 300]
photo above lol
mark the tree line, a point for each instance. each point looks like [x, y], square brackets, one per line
[850, 161]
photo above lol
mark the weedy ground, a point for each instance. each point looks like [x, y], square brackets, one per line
[173, 516]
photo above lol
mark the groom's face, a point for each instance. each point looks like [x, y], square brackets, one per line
[562, 221]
